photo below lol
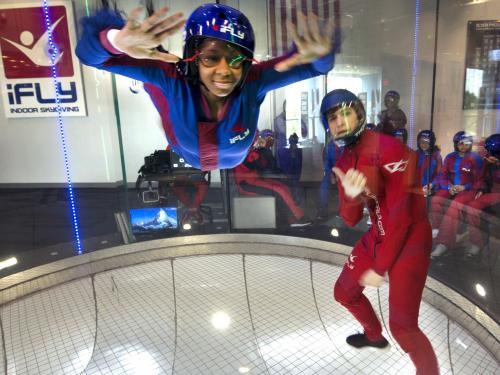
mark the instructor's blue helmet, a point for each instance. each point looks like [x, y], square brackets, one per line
[339, 98]
[221, 22]
[492, 145]
[462, 136]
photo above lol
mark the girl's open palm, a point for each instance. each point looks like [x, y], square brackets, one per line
[140, 39]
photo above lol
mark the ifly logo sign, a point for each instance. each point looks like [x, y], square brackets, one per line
[25, 43]
[27, 80]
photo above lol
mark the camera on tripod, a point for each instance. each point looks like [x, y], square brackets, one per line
[157, 163]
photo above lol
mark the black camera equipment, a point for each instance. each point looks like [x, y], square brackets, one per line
[158, 162]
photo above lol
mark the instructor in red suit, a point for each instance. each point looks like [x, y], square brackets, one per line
[378, 171]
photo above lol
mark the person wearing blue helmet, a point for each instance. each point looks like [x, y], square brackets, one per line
[392, 116]
[291, 165]
[379, 172]
[456, 185]
[258, 175]
[401, 134]
[429, 161]
[212, 95]
[488, 196]
[331, 153]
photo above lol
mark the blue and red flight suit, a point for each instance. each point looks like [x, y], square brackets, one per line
[428, 166]
[191, 192]
[490, 197]
[399, 242]
[457, 170]
[204, 143]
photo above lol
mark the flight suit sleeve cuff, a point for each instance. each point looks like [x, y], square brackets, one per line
[106, 37]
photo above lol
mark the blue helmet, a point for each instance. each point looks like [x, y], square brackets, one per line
[462, 136]
[266, 133]
[333, 101]
[401, 132]
[221, 22]
[426, 136]
[492, 145]
[392, 94]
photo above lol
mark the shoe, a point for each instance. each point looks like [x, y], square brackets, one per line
[435, 233]
[439, 250]
[473, 251]
[360, 341]
[304, 221]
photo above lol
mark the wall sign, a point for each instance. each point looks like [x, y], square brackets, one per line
[482, 65]
[27, 86]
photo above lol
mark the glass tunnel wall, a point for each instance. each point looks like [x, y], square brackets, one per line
[94, 156]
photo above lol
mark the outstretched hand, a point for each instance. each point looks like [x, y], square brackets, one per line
[140, 39]
[311, 43]
[353, 181]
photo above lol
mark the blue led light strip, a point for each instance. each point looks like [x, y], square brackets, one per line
[54, 54]
[411, 138]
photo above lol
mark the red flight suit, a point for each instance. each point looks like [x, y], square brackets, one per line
[399, 242]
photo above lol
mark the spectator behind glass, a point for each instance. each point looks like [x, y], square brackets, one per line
[429, 160]
[291, 165]
[401, 134]
[456, 186]
[280, 128]
[256, 177]
[330, 155]
[393, 115]
[488, 196]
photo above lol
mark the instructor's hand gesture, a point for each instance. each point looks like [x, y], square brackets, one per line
[140, 39]
[311, 43]
[371, 278]
[353, 181]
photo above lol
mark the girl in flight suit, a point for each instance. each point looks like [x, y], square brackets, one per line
[213, 95]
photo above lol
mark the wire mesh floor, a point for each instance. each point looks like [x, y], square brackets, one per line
[216, 314]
